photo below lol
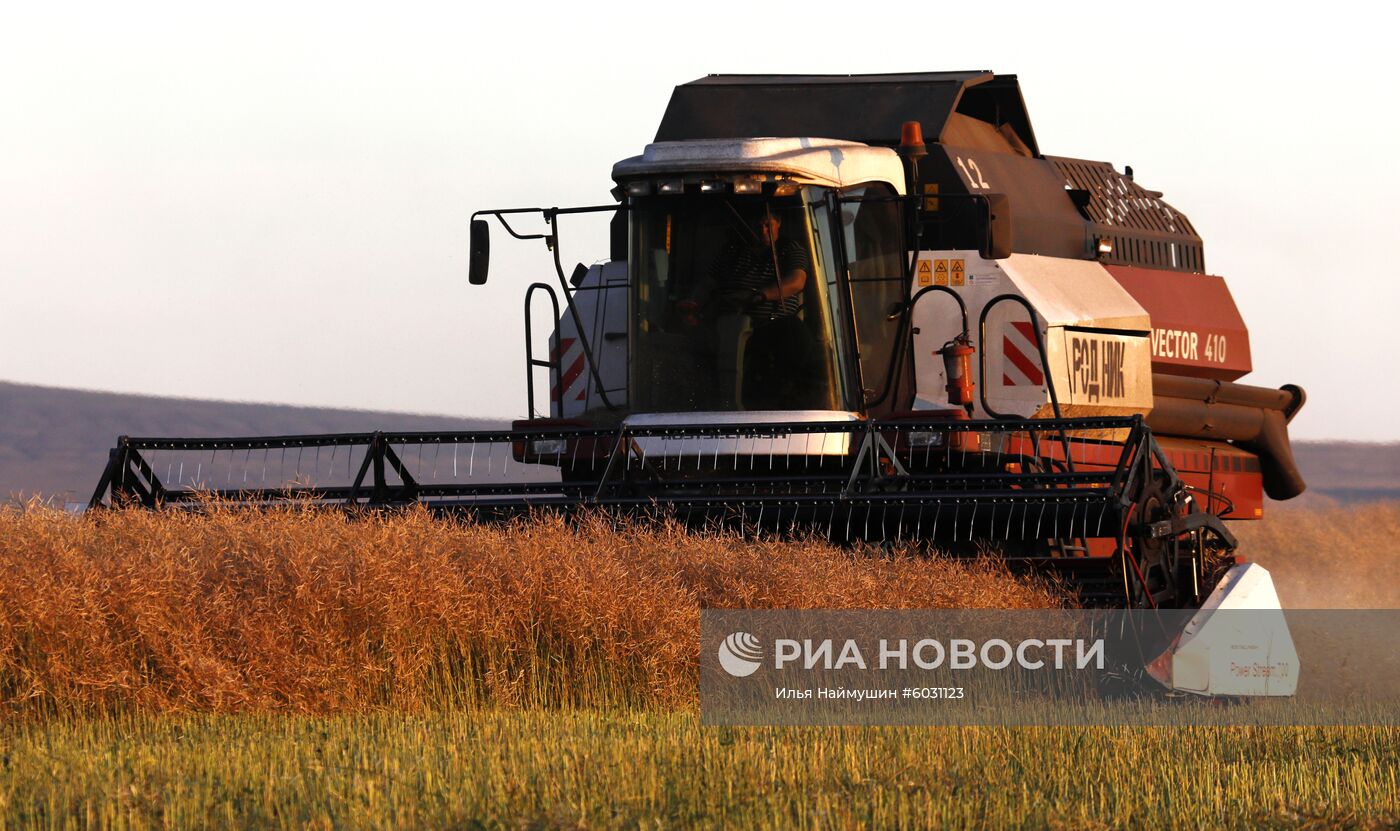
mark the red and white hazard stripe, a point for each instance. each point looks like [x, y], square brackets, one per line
[1021, 367]
[570, 384]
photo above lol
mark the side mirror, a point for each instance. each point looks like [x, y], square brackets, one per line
[997, 242]
[480, 259]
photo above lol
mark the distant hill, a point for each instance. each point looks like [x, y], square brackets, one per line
[1350, 472]
[54, 442]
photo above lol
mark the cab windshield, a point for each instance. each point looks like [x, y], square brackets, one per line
[735, 305]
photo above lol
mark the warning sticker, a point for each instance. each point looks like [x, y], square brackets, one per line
[940, 272]
[955, 268]
[931, 197]
[925, 273]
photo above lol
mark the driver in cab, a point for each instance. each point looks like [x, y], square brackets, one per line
[759, 281]
[764, 275]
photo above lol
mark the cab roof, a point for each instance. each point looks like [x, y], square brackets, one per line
[817, 161]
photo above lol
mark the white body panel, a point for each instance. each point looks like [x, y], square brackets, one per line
[769, 443]
[1096, 335]
[1237, 644]
[601, 300]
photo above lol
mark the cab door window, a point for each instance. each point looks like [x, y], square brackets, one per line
[874, 244]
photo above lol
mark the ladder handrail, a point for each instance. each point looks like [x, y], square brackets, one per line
[531, 363]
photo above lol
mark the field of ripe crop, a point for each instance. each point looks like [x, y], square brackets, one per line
[1329, 558]
[295, 669]
[309, 611]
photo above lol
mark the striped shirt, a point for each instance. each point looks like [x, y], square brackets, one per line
[751, 267]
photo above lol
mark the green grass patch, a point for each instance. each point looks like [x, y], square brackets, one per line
[658, 769]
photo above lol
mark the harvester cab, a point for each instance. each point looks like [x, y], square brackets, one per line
[869, 306]
[748, 278]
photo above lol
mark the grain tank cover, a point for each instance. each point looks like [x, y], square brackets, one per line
[980, 144]
[864, 108]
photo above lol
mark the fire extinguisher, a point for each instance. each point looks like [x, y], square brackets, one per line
[957, 365]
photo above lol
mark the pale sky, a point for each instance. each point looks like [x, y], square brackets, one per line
[270, 202]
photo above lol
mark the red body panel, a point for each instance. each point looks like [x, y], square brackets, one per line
[1226, 479]
[1196, 328]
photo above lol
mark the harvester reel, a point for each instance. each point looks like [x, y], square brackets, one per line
[1160, 571]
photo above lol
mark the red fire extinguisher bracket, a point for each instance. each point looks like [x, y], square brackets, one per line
[957, 366]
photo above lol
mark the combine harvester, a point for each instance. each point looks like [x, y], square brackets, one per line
[812, 318]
